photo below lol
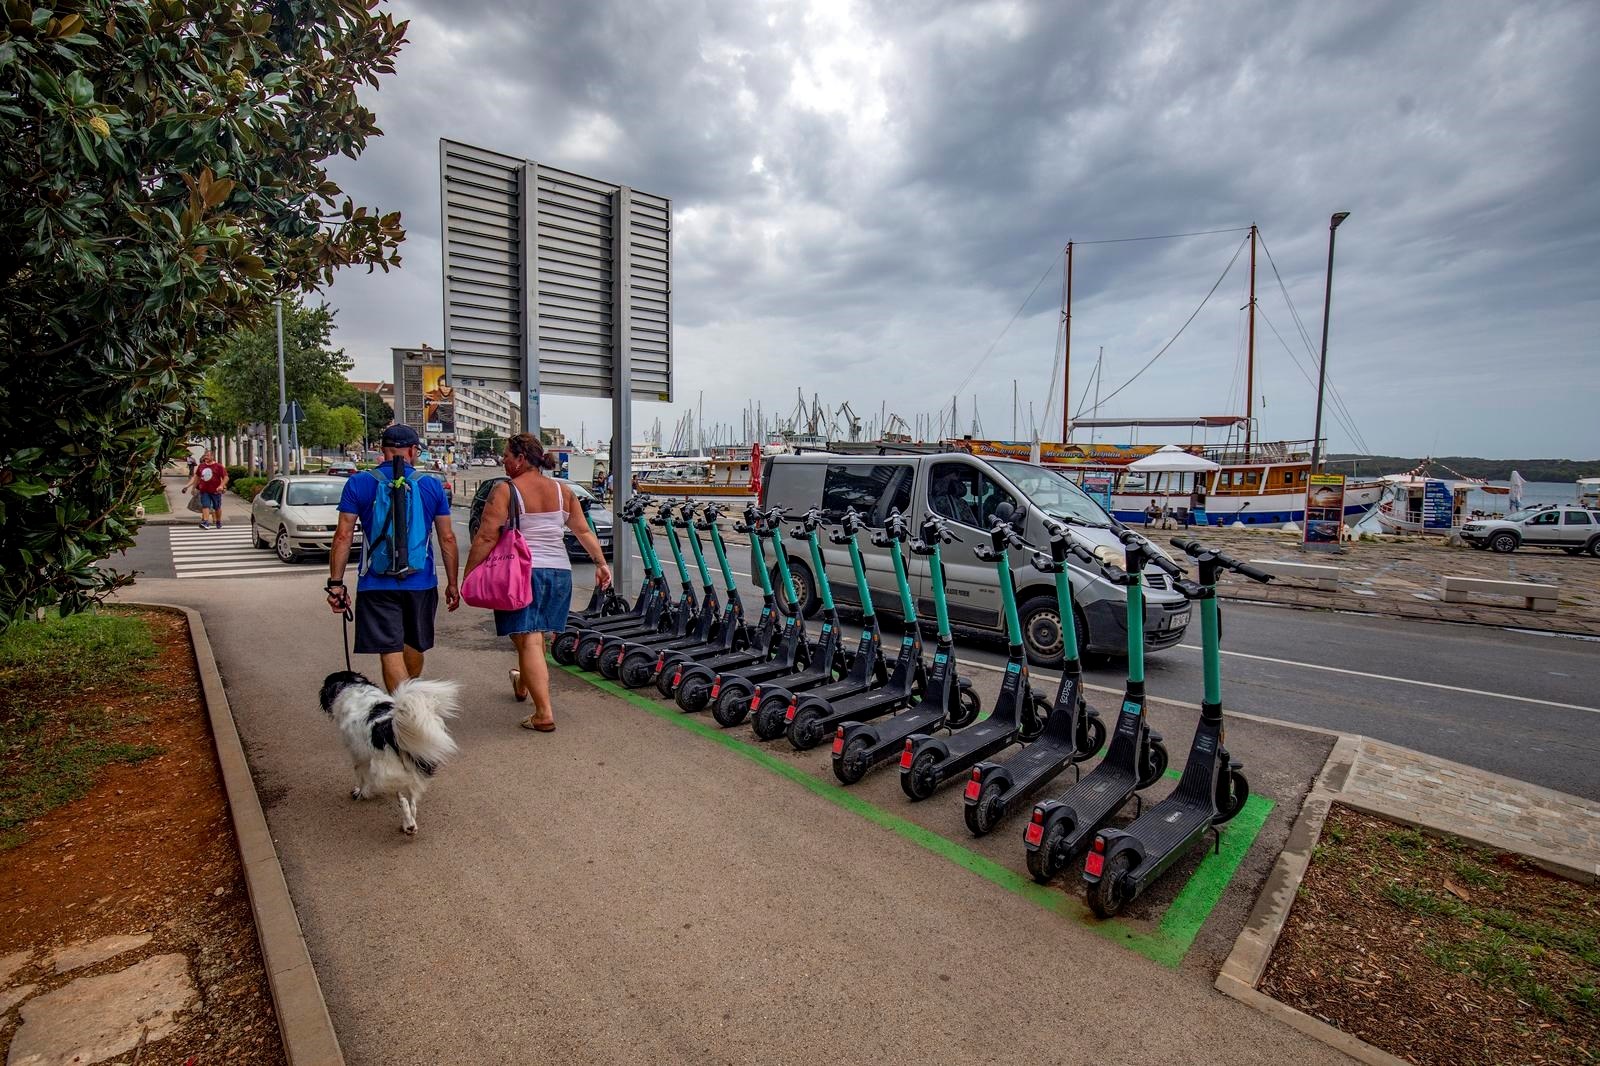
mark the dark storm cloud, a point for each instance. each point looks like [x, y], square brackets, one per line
[863, 195]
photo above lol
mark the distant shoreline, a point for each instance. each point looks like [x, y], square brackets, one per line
[1554, 470]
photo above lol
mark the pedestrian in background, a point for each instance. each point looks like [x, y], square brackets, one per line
[209, 481]
[547, 509]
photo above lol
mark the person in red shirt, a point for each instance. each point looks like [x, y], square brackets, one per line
[210, 480]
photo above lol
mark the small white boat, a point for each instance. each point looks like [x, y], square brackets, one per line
[1404, 508]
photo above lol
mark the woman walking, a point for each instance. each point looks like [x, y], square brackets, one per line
[545, 509]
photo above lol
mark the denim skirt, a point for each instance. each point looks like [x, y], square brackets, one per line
[546, 612]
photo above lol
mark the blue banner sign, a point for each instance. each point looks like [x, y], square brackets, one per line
[1436, 505]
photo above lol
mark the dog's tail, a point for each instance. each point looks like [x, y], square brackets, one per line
[420, 710]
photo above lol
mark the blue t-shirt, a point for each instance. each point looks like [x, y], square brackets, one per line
[360, 490]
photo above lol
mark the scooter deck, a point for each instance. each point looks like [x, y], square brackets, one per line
[1166, 831]
[767, 671]
[1037, 765]
[893, 731]
[864, 706]
[1095, 798]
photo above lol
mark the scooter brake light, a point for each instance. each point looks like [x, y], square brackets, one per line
[794, 707]
[677, 676]
[716, 686]
[905, 757]
[1095, 862]
[974, 785]
[838, 741]
[755, 699]
[1035, 831]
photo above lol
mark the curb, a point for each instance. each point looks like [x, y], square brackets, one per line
[302, 1014]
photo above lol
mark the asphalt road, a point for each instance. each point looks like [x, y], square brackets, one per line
[1526, 705]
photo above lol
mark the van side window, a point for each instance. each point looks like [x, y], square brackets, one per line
[873, 491]
[965, 494]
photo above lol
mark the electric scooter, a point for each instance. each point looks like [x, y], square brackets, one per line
[1123, 862]
[603, 602]
[1062, 827]
[1019, 713]
[739, 694]
[674, 616]
[699, 683]
[797, 659]
[757, 641]
[647, 608]
[810, 718]
[641, 662]
[1072, 733]
[948, 701]
[691, 619]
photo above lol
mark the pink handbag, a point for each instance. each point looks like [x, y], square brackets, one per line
[504, 580]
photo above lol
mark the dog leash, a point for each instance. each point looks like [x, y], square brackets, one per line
[345, 617]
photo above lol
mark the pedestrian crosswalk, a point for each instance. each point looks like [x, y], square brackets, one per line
[227, 552]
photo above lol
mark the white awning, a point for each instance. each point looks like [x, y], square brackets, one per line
[1172, 459]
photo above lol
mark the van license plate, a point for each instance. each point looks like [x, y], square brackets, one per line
[1178, 621]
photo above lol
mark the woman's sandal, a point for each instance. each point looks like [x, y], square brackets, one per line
[540, 727]
[516, 686]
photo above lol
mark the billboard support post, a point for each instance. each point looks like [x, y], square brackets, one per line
[528, 292]
[621, 378]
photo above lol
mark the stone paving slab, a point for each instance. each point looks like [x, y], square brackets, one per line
[95, 1018]
[1558, 830]
[77, 956]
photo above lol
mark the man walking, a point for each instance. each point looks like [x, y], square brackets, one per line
[394, 614]
[209, 481]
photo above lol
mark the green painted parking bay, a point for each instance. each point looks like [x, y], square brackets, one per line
[1188, 920]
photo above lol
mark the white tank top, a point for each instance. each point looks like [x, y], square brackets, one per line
[545, 533]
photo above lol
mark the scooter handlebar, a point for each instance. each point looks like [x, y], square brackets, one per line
[1196, 549]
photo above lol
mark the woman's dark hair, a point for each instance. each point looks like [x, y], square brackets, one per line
[529, 449]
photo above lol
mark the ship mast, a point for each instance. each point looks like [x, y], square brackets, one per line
[1066, 358]
[1250, 358]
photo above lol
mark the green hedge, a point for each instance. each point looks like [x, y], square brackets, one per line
[247, 487]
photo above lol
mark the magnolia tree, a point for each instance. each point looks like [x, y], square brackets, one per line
[161, 182]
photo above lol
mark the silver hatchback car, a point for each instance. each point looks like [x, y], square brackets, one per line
[296, 515]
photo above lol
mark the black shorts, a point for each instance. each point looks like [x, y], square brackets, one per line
[389, 619]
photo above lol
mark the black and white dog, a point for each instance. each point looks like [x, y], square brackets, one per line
[397, 742]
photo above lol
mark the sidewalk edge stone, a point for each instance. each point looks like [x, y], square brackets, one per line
[302, 1013]
[1337, 1039]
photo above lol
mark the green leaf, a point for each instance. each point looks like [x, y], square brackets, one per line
[79, 89]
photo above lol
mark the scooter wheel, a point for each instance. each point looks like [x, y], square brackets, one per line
[968, 707]
[731, 707]
[805, 732]
[664, 680]
[1157, 767]
[850, 765]
[564, 649]
[1108, 895]
[917, 781]
[694, 694]
[611, 664]
[637, 669]
[589, 653]
[1238, 791]
[769, 722]
[1091, 737]
[1045, 861]
[982, 815]
[1030, 731]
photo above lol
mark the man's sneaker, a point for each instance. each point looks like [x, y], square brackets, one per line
[205, 525]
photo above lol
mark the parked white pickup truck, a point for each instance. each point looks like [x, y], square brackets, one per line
[1575, 530]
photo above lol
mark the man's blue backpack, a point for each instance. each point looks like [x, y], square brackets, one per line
[397, 545]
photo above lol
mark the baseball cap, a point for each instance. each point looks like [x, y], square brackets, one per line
[400, 436]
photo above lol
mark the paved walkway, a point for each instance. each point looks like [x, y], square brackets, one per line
[1487, 808]
[1402, 578]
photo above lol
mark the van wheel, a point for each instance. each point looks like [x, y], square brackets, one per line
[1503, 542]
[1041, 630]
[805, 588]
[1594, 547]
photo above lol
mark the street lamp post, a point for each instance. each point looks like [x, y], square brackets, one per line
[1322, 365]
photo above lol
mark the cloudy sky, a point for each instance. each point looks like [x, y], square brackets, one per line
[865, 194]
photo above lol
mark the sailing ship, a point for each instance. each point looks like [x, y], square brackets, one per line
[696, 476]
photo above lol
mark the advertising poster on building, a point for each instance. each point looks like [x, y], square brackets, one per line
[438, 402]
[1324, 511]
[1098, 487]
[1437, 505]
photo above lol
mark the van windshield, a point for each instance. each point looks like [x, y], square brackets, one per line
[1053, 493]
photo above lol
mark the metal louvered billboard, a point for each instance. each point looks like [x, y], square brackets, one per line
[549, 275]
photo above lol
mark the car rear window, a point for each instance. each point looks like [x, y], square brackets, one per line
[315, 493]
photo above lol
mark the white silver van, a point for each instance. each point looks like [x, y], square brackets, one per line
[968, 490]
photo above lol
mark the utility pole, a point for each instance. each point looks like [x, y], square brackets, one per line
[283, 400]
[1066, 350]
[1322, 365]
[1250, 360]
